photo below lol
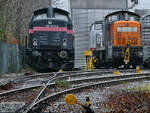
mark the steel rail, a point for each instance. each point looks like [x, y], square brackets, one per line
[63, 75]
[39, 75]
[87, 74]
[75, 81]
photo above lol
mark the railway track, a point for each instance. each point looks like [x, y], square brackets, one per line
[70, 73]
[93, 81]
[91, 78]
[38, 79]
[43, 103]
[40, 75]
[20, 82]
[74, 79]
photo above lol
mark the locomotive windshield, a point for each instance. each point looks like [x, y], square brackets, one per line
[113, 18]
[40, 16]
[61, 16]
[122, 15]
[98, 26]
[127, 29]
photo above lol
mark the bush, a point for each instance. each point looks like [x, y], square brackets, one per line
[1, 34]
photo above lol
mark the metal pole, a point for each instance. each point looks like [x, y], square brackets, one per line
[52, 78]
[126, 4]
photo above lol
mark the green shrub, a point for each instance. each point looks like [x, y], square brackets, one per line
[1, 34]
[63, 84]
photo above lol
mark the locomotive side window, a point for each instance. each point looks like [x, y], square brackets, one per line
[113, 18]
[135, 29]
[127, 29]
[98, 26]
[119, 29]
[61, 16]
[132, 18]
[40, 16]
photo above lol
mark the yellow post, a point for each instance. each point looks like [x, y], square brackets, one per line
[60, 70]
[127, 56]
[116, 72]
[138, 71]
[88, 60]
[126, 53]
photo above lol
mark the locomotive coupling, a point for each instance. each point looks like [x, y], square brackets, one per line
[70, 99]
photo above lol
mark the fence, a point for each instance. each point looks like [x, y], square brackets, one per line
[9, 58]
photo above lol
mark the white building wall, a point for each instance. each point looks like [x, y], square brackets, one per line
[82, 19]
[63, 4]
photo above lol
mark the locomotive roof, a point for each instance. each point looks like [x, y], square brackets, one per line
[116, 12]
[98, 22]
[144, 16]
[56, 9]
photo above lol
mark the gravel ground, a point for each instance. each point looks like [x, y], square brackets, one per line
[21, 97]
[10, 106]
[100, 97]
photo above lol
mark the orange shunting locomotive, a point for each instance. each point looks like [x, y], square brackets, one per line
[121, 41]
[124, 31]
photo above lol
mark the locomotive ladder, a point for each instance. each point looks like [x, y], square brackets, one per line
[126, 53]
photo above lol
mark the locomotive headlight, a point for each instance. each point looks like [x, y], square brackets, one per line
[63, 54]
[35, 42]
[65, 42]
[50, 22]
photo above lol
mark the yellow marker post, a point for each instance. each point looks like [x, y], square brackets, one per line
[88, 60]
[60, 70]
[116, 72]
[126, 53]
[138, 71]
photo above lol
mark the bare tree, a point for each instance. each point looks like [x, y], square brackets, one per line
[15, 16]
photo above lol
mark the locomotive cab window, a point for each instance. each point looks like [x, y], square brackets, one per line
[113, 18]
[98, 26]
[40, 16]
[132, 18]
[127, 29]
[61, 16]
[135, 29]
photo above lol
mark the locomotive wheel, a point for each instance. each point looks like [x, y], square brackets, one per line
[127, 66]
